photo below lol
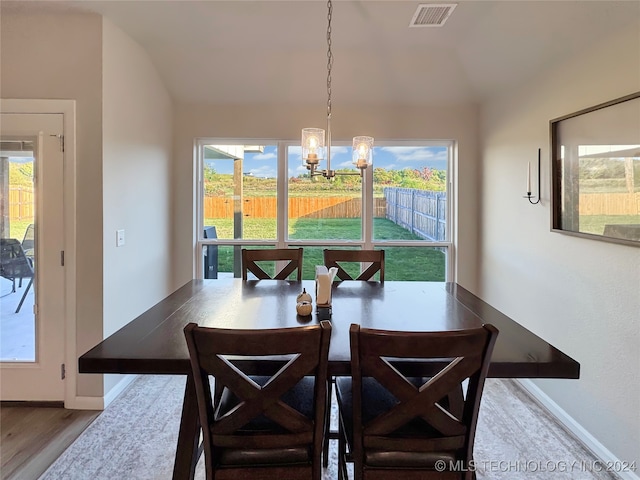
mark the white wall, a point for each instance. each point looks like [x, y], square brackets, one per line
[123, 155]
[136, 172]
[581, 295]
[57, 56]
[285, 122]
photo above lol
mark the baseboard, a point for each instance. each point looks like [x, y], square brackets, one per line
[577, 430]
[118, 388]
[100, 403]
[85, 403]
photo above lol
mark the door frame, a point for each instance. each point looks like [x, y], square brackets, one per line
[68, 109]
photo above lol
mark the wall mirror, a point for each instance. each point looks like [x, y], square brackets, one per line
[595, 155]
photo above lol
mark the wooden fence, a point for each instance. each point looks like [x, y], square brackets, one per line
[609, 204]
[422, 212]
[21, 203]
[299, 207]
[419, 211]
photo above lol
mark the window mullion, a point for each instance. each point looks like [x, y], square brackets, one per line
[367, 209]
[199, 203]
[282, 220]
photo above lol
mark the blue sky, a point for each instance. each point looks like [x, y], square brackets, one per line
[264, 164]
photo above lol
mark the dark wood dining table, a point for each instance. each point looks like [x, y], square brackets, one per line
[154, 343]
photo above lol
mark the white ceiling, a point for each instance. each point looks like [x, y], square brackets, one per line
[237, 52]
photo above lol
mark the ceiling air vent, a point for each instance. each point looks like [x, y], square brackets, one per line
[432, 14]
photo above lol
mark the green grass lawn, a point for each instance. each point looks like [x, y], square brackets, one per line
[18, 227]
[401, 263]
[311, 229]
[595, 223]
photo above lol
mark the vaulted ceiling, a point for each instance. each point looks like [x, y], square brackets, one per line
[267, 52]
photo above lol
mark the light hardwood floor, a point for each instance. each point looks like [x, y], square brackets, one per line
[33, 437]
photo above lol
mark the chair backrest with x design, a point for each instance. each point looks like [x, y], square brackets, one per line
[292, 255]
[340, 258]
[421, 419]
[261, 427]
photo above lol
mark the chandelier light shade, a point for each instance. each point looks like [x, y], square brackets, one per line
[313, 139]
[362, 152]
[312, 146]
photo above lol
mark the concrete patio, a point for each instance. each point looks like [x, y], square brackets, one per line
[17, 330]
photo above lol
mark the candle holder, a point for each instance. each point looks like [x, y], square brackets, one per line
[528, 195]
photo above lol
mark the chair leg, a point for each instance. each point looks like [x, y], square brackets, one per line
[327, 427]
[342, 452]
[24, 295]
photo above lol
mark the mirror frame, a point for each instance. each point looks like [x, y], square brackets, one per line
[610, 123]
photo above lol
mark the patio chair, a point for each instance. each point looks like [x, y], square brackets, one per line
[28, 245]
[394, 427]
[269, 428]
[28, 241]
[14, 264]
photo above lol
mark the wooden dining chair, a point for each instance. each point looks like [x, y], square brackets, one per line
[394, 427]
[250, 259]
[341, 258]
[260, 426]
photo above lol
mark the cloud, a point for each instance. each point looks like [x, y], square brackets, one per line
[266, 171]
[338, 154]
[295, 153]
[417, 154]
[21, 159]
[300, 169]
[264, 156]
[297, 149]
[345, 164]
[339, 150]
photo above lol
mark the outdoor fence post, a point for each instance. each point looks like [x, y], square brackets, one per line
[395, 213]
[413, 207]
[438, 217]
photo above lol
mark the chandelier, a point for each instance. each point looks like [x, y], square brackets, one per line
[314, 142]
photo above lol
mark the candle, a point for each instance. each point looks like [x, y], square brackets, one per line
[528, 177]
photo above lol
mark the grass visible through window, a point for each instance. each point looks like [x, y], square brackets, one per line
[402, 263]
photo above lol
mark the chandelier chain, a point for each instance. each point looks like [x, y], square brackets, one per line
[329, 56]
[314, 140]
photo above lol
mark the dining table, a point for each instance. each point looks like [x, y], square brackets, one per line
[154, 343]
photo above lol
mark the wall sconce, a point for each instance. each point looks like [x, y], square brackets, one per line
[528, 195]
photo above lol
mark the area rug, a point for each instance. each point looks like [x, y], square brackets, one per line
[135, 439]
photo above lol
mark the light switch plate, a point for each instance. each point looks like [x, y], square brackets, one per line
[119, 238]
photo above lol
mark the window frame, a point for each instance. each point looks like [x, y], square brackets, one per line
[282, 241]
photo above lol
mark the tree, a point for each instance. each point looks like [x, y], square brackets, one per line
[21, 174]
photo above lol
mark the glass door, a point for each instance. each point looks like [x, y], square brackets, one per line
[17, 237]
[32, 295]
